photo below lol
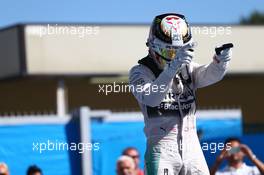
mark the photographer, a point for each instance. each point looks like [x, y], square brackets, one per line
[234, 153]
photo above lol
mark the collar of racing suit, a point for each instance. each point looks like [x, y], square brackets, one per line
[150, 63]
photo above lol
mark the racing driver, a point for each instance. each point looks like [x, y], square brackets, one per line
[169, 110]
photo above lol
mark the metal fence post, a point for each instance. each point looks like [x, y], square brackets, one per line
[62, 99]
[85, 134]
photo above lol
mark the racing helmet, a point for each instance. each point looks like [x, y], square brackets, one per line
[168, 33]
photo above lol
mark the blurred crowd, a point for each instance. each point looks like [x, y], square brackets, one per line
[32, 170]
[234, 154]
[128, 162]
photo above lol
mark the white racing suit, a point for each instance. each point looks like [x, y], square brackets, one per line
[170, 123]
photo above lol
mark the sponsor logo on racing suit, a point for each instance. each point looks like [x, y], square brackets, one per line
[173, 103]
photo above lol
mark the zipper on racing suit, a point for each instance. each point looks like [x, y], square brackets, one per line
[186, 77]
[180, 144]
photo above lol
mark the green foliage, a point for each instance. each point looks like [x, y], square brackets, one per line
[256, 18]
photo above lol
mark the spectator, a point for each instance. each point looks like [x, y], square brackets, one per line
[34, 170]
[4, 169]
[125, 166]
[234, 153]
[134, 154]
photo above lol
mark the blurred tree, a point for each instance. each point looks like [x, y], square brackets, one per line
[256, 18]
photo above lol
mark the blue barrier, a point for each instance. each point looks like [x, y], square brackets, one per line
[18, 148]
[217, 128]
[16, 144]
[116, 136]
